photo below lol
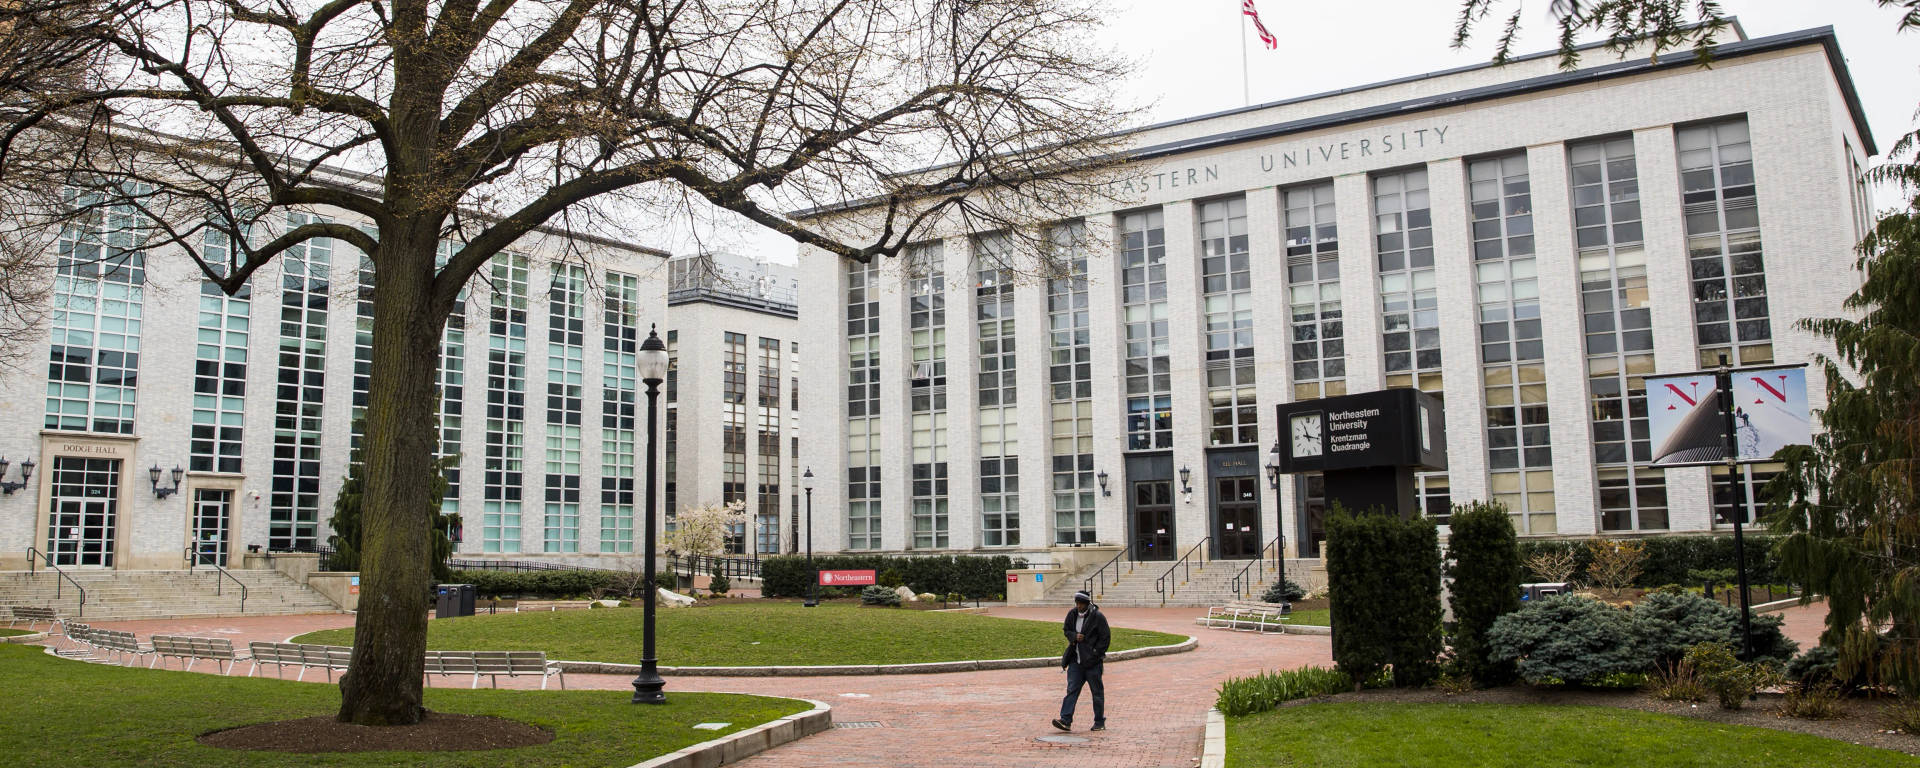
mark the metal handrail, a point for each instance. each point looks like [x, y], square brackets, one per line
[1241, 584]
[1185, 565]
[193, 560]
[32, 552]
[1100, 575]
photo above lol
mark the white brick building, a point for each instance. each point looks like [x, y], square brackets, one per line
[254, 397]
[1525, 241]
[731, 428]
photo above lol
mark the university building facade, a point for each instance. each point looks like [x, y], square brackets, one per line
[1525, 242]
[249, 407]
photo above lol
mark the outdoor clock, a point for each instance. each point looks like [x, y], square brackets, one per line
[1307, 435]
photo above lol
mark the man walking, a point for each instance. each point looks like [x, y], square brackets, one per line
[1087, 638]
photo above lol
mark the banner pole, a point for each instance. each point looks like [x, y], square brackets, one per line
[1246, 89]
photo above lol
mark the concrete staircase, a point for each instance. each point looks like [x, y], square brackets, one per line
[132, 595]
[1208, 582]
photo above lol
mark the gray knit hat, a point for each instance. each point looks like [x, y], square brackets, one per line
[1082, 597]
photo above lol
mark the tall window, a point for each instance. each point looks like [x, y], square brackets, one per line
[998, 395]
[1070, 382]
[93, 370]
[767, 509]
[927, 321]
[1409, 305]
[566, 374]
[1512, 354]
[453, 389]
[219, 365]
[1318, 340]
[293, 507]
[618, 438]
[1226, 298]
[671, 492]
[1723, 244]
[506, 405]
[361, 383]
[863, 406]
[1619, 331]
[1143, 307]
[733, 432]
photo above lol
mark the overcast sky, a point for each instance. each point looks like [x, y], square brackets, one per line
[1189, 59]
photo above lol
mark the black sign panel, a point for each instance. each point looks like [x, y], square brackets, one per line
[1388, 428]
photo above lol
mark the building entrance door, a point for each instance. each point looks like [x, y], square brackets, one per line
[212, 522]
[83, 520]
[1153, 520]
[1237, 510]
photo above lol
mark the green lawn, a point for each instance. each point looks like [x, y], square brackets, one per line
[14, 631]
[1312, 617]
[61, 712]
[763, 634]
[1380, 735]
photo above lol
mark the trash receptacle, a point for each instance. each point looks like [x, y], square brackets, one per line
[453, 600]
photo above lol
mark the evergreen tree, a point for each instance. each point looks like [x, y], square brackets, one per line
[1483, 585]
[1383, 574]
[347, 527]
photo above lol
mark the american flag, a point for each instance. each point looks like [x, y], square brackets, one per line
[1246, 8]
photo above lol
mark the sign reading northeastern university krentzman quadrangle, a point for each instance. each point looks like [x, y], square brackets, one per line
[1687, 426]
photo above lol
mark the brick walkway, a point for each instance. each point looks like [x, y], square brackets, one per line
[1156, 707]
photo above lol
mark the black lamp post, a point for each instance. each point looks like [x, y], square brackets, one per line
[26, 473]
[813, 589]
[648, 688]
[1280, 520]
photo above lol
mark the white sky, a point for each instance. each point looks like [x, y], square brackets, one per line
[1190, 62]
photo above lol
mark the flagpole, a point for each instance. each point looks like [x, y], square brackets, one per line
[1246, 90]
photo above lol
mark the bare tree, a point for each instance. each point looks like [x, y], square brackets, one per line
[480, 121]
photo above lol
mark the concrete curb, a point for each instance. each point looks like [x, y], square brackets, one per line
[1781, 605]
[1284, 629]
[752, 741]
[935, 667]
[32, 638]
[1213, 753]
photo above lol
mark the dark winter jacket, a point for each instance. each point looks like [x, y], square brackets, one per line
[1093, 651]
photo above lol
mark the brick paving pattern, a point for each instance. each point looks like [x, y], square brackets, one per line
[1156, 707]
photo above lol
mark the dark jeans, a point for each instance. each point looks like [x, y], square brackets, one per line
[1090, 677]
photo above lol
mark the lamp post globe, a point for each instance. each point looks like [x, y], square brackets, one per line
[651, 360]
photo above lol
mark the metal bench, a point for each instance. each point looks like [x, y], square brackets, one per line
[493, 664]
[190, 649]
[326, 657]
[121, 647]
[33, 614]
[551, 605]
[1245, 617]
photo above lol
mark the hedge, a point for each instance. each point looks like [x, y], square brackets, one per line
[544, 584]
[1670, 557]
[1384, 575]
[1484, 584]
[974, 576]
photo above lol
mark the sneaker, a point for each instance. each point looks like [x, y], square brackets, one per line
[1062, 724]
[1099, 727]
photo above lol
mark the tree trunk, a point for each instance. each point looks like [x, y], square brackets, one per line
[383, 685]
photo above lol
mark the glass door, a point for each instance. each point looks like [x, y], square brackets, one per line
[1237, 510]
[212, 521]
[83, 521]
[1153, 520]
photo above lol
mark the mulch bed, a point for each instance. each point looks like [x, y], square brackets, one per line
[1859, 723]
[437, 732]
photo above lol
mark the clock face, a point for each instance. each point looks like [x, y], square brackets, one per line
[1426, 430]
[1306, 435]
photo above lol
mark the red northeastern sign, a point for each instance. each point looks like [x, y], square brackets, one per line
[845, 578]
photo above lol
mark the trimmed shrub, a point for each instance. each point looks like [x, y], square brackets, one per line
[1669, 558]
[1384, 576]
[973, 576]
[1566, 638]
[1483, 585]
[539, 584]
[1284, 591]
[1240, 696]
[876, 594]
[718, 582]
